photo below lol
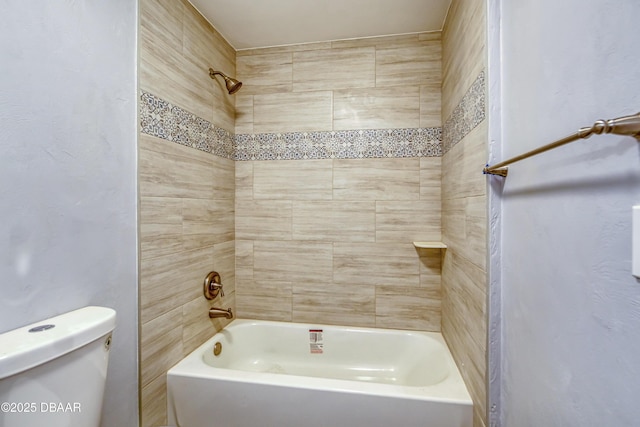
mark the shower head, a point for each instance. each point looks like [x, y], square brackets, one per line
[233, 85]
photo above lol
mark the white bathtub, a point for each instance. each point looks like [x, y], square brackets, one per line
[282, 374]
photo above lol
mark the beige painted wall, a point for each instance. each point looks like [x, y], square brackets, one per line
[186, 197]
[330, 240]
[464, 216]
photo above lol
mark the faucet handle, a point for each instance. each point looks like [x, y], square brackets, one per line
[217, 286]
[212, 285]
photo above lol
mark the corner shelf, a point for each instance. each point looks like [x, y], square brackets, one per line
[429, 245]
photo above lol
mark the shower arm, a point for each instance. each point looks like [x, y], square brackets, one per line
[233, 85]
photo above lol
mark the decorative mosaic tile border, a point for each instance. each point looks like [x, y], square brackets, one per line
[349, 144]
[164, 120]
[468, 114]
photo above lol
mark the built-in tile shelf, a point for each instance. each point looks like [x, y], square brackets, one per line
[429, 245]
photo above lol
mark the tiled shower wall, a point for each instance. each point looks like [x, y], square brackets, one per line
[338, 172]
[464, 218]
[374, 83]
[186, 194]
[338, 168]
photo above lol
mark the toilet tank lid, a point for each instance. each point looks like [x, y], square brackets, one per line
[21, 349]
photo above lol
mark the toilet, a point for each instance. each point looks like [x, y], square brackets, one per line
[53, 372]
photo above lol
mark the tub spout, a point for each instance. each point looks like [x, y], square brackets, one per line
[219, 312]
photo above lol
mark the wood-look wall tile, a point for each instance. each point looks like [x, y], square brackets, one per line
[464, 52]
[407, 221]
[460, 176]
[376, 179]
[430, 179]
[299, 180]
[430, 36]
[159, 289]
[464, 321]
[167, 169]
[389, 42]
[243, 262]
[170, 281]
[453, 222]
[223, 53]
[334, 304]
[198, 327]
[265, 300]
[471, 373]
[244, 113]
[376, 264]
[224, 178]
[411, 65]
[207, 222]
[334, 221]
[153, 402]
[283, 49]
[161, 215]
[408, 308]
[293, 261]
[205, 48]
[377, 108]
[160, 345]
[362, 42]
[176, 48]
[154, 245]
[333, 69]
[430, 105]
[186, 195]
[263, 219]
[163, 19]
[224, 262]
[430, 268]
[478, 410]
[204, 45]
[267, 73]
[223, 115]
[166, 73]
[244, 180]
[160, 226]
[292, 112]
[464, 227]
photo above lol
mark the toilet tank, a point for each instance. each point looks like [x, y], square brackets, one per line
[53, 372]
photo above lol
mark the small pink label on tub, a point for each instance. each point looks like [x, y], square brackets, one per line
[316, 344]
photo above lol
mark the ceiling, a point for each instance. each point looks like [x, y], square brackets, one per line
[248, 24]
